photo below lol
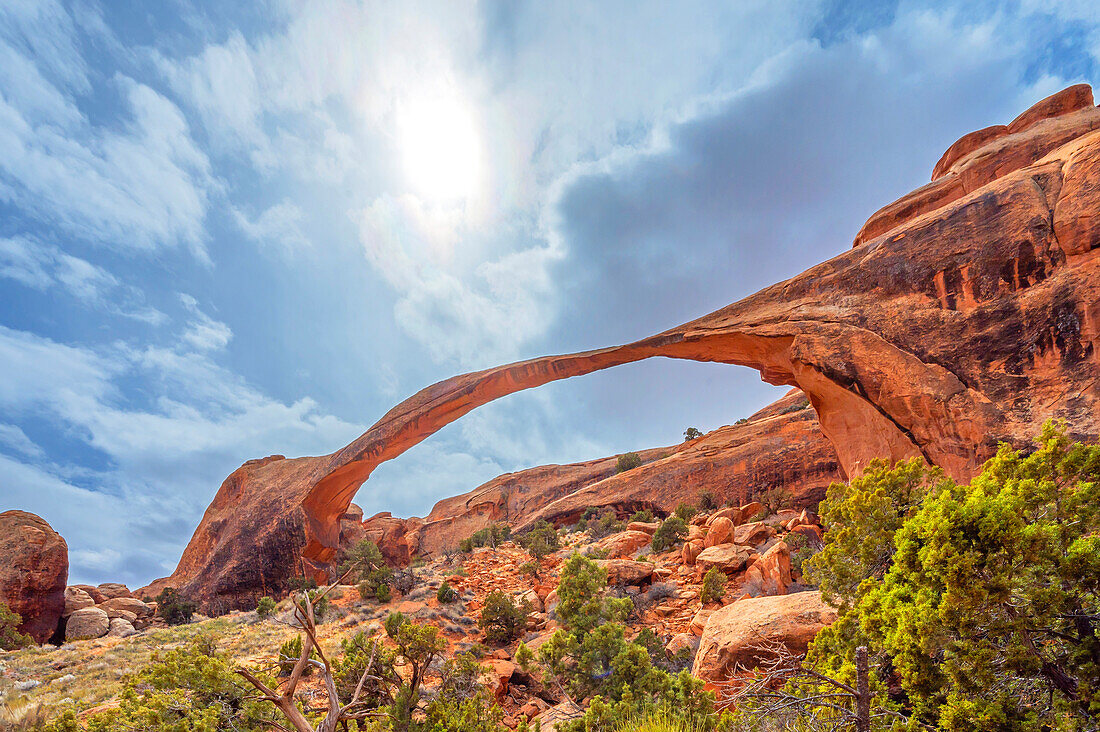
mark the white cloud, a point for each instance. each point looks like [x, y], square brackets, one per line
[203, 332]
[16, 439]
[138, 183]
[278, 227]
[42, 266]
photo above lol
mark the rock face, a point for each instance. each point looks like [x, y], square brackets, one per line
[34, 565]
[967, 313]
[733, 635]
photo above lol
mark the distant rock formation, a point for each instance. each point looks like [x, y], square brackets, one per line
[34, 565]
[966, 313]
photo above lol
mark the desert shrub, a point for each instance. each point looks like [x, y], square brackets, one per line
[491, 536]
[403, 581]
[174, 608]
[321, 604]
[644, 516]
[708, 501]
[265, 607]
[382, 593]
[627, 461]
[670, 533]
[529, 568]
[188, 689]
[691, 433]
[357, 654]
[10, 637]
[606, 524]
[446, 593]
[503, 620]
[802, 548]
[542, 539]
[289, 652]
[982, 599]
[742, 420]
[466, 546]
[775, 499]
[714, 586]
[685, 511]
[525, 657]
[367, 565]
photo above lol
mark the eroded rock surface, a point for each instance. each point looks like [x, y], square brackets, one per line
[967, 313]
[34, 565]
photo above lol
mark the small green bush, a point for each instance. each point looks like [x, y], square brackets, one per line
[685, 511]
[289, 653]
[608, 523]
[446, 593]
[503, 620]
[627, 461]
[174, 608]
[670, 533]
[691, 433]
[542, 539]
[644, 516]
[265, 607]
[382, 594]
[10, 637]
[300, 584]
[708, 501]
[714, 586]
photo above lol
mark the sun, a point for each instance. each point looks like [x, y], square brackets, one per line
[440, 146]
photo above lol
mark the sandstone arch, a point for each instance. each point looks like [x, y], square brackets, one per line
[967, 313]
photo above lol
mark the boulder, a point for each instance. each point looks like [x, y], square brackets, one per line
[751, 510]
[719, 532]
[735, 634]
[690, 552]
[733, 513]
[111, 590]
[697, 532]
[771, 573]
[559, 714]
[729, 558]
[753, 534]
[646, 527]
[625, 571]
[532, 597]
[699, 620]
[93, 592]
[89, 622]
[682, 642]
[498, 677]
[624, 543]
[812, 533]
[75, 599]
[34, 564]
[130, 604]
[121, 628]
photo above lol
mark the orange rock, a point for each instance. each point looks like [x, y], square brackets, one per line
[690, 552]
[625, 571]
[751, 510]
[732, 513]
[34, 564]
[727, 557]
[771, 574]
[719, 532]
[648, 528]
[735, 635]
[699, 620]
[753, 534]
[624, 543]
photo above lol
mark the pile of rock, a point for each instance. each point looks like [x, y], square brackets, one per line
[109, 609]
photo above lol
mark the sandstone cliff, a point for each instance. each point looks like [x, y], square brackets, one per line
[966, 313]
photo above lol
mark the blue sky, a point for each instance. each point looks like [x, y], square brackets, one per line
[228, 232]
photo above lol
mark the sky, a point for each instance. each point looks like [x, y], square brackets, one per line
[230, 230]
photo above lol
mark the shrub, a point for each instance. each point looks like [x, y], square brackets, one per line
[357, 652]
[974, 594]
[301, 584]
[542, 539]
[685, 511]
[466, 546]
[802, 548]
[10, 637]
[188, 689]
[607, 524]
[742, 420]
[581, 602]
[403, 581]
[289, 653]
[503, 620]
[265, 607]
[446, 593]
[708, 501]
[644, 516]
[173, 607]
[691, 433]
[670, 533]
[320, 604]
[382, 593]
[491, 536]
[525, 657]
[367, 565]
[627, 461]
[714, 586]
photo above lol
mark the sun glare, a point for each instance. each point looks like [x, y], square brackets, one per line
[440, 146]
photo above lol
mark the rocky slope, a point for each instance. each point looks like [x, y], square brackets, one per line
[966, 313]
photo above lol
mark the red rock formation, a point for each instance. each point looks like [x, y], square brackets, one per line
[34, 564]
[967, 313]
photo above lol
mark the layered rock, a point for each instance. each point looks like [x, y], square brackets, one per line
[34, 565]
[967, 313]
